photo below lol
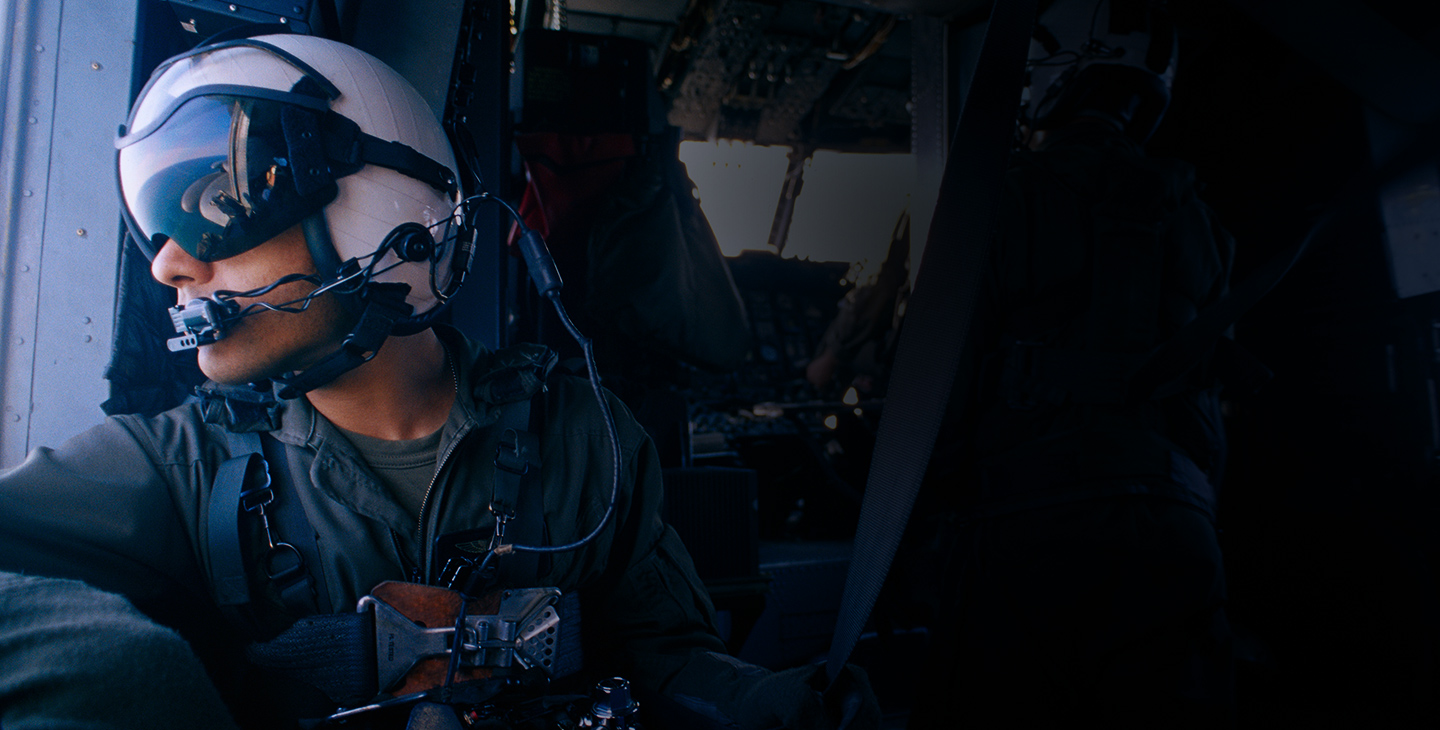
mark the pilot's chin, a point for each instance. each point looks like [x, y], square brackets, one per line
[222, 367]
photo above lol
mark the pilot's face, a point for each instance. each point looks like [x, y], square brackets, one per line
[266, 344]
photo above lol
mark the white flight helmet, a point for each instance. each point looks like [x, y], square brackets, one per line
[1117, 56]
[231, 144]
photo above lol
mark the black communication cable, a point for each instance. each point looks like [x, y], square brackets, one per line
[547, 279]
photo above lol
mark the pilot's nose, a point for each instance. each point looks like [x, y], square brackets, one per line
[174, 267]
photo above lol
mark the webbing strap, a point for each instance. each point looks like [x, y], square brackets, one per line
[517, 487]
[334, 652]
[523, 568]
[939, 314]
[230, 583]
[349, 148]
[246, 483]
[305, 593]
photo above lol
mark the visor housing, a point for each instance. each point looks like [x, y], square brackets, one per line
[218, 175]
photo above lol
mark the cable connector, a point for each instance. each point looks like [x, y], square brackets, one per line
[538, 260]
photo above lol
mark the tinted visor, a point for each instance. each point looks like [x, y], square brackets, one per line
[217, 177]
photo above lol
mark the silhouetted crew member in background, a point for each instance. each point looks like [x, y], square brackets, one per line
[1082, 581]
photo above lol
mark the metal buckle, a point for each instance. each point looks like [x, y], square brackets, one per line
[523, 633]
[253, 499]
[510, 458]
[277, 567]
[261, 496]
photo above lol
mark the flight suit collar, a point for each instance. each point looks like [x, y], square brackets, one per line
[491, 379]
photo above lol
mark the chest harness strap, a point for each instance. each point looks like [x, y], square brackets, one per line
[245, 485]
[518, 499]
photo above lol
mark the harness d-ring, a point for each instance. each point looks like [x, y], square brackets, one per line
[283, 561]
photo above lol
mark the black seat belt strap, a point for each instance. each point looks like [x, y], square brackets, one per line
[939, 314]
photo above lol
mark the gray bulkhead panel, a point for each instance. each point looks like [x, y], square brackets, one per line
[66, 75]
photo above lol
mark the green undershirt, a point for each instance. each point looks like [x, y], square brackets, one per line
[405, 467]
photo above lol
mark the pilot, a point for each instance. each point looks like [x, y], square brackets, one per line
[1083, 583]
[304, 203]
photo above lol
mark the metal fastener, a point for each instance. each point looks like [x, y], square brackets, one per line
[96, 65]
[85, 320]
[28, 193]
[80, 232]
[88, 338]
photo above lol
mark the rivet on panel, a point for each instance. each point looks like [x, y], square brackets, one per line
[28, 193]
[80, 232]
[33, 120]
[85, 320]
[88, 338]
[25, 268]
[96, 65]
[39, 49]
[15, 418]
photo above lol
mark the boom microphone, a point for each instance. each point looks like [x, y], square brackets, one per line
[201, 322]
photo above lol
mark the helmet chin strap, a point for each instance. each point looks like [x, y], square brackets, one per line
[380, 306]
[383, 304]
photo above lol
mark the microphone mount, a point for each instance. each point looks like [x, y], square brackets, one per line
[201, 322]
